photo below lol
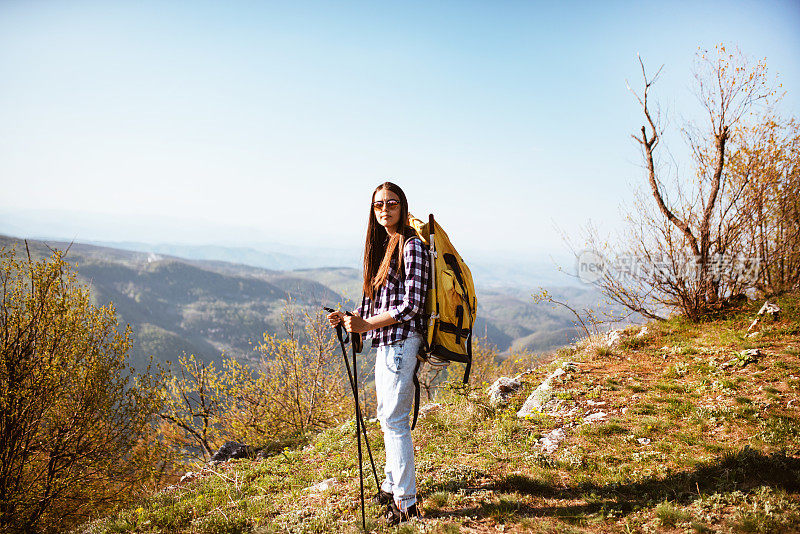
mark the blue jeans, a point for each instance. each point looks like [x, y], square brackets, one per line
[394, 387]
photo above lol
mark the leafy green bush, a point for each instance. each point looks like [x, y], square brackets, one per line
[76, 433]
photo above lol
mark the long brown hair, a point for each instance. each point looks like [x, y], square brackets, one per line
[377, 259]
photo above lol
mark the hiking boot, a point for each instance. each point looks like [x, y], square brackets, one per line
[383, 498]
[394, 516]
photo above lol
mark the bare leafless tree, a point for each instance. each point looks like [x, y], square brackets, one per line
[684, 249]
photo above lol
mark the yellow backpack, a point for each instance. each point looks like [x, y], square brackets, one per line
[450, 304]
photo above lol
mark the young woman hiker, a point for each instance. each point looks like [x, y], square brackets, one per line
[396, 269]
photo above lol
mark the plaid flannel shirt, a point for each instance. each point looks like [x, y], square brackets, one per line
[403, 299]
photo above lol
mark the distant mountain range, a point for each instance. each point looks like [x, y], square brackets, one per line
[208, 307]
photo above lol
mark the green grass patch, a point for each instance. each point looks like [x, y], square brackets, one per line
[714, 448]
[644, 409]
[747, 413]
[612, 384]
[650, 427]
[502, 509]
[603, 351]
[766, 511]
[437, 500]
[671, 387]
[636, 388]
[526, 484]
[701, 368]
[699, 527]
[611, 428]
[633, 343]
[679, 408]
[779, 429]
[669, 515]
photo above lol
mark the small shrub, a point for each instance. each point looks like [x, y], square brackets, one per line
[644, 409]
[700, 528]
[603, 351]
[671, 387]
[669, 515]
[637, 388]
[439, 499]
[633, 343]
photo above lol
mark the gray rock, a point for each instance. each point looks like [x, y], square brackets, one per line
[595, 417]
[569, 367]
[613, 338]
[322, 486]
[502, 390]
[231, 450]
[769, 309]
[550, 441]
[431, 407]
[536, 400]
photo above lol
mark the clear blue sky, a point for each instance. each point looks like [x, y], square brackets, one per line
[275, 120]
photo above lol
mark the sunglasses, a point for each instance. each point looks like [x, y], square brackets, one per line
[390, 204]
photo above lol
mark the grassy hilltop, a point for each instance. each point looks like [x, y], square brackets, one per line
[696, 437]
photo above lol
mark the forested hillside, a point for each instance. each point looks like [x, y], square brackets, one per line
[207, 308]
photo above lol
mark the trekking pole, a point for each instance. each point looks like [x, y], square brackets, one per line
[354, 386]
[360, 415]
[360, 427]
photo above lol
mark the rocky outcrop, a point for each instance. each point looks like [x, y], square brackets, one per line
[773, 311]
[536, 401]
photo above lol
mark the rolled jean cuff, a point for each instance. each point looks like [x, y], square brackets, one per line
[406, 502]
